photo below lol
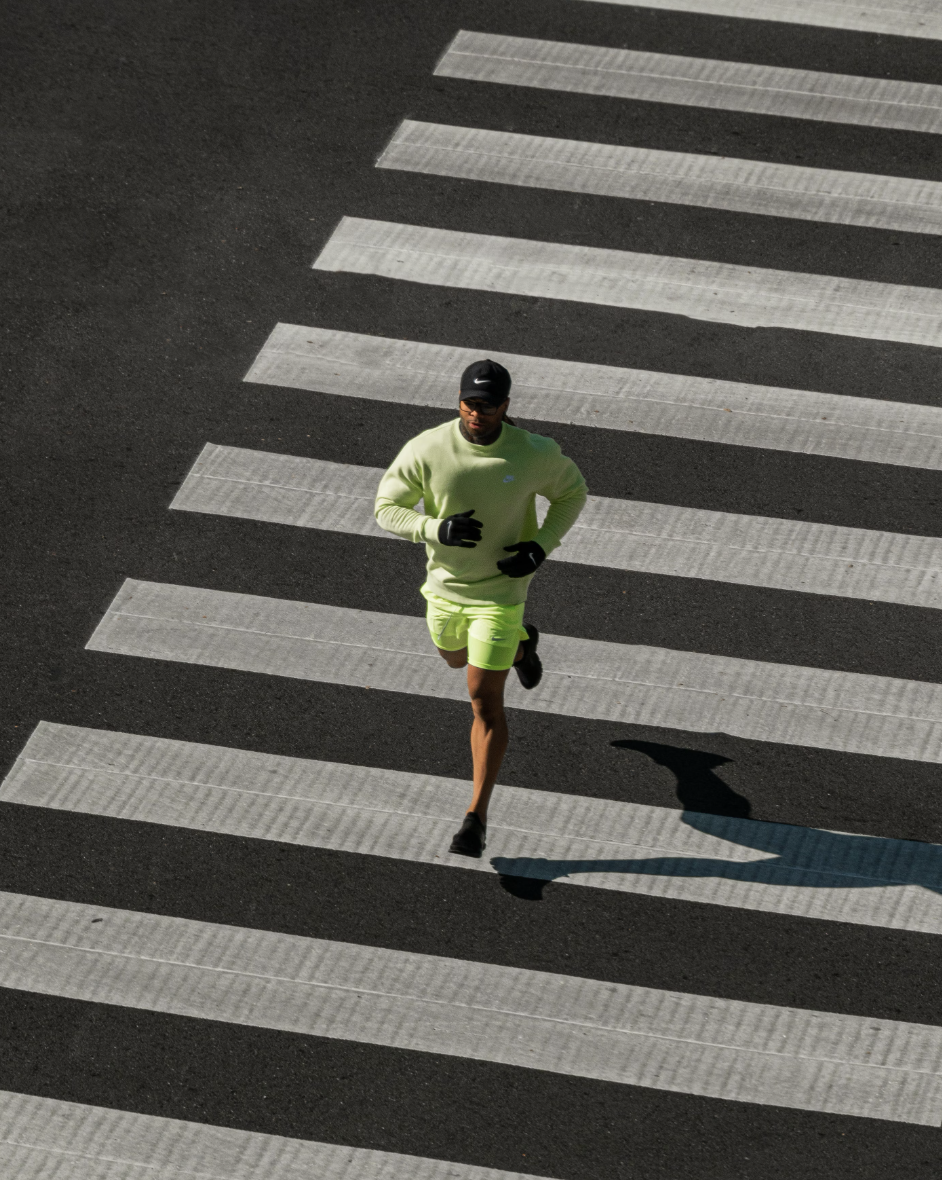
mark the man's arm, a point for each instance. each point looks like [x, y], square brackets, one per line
[399, 491]
[567, 493]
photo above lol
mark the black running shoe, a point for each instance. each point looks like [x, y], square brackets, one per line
[528, 668]
[469, 839]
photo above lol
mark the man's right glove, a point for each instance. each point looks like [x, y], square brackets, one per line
[460, 530]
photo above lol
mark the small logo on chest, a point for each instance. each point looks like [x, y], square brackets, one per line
[508, 478]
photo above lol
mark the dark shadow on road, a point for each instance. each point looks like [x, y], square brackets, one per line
[698, 788]
[526, 888]
[807, 857]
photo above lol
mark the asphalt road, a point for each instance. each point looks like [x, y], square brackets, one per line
[171, 171]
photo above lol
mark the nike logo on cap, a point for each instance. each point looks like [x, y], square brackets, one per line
[482, 380]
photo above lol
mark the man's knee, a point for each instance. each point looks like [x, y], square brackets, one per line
[486, 690]
[488, 709]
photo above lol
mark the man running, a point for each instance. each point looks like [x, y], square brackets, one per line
[478, 477]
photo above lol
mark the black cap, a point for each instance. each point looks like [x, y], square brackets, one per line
[487, 380]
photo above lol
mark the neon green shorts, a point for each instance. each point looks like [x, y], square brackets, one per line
[490, 633]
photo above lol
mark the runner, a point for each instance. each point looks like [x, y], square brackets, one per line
[478, 477]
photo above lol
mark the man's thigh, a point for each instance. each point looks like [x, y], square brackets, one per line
[494, 635]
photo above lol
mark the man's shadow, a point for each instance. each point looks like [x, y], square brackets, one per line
[810, 857]
[698, 788]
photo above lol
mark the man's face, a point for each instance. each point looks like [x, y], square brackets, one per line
[480, 418]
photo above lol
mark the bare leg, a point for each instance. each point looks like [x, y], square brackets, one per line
[489, 728]
[488, 734]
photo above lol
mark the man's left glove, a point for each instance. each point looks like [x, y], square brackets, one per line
[527, 559]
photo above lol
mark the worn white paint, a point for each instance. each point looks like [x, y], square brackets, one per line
[381, 368]
[47, 1139]
[583, 678]
[628, 847]
[717, 182]
[619, 534]
[639, 1036]
[747, 296]
[900, 18]
[693, 81]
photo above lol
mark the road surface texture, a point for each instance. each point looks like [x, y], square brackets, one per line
[249, 248]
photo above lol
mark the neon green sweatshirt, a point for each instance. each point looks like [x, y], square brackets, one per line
[500, 482]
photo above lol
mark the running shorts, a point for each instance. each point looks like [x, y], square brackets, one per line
[490, 633]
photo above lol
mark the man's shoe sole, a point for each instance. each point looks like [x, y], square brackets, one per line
[466, 851]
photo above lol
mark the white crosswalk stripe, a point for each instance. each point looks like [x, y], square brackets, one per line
[693, 81]
[748, 296]
[47, 1139]
[901, 18]
[654, 851]
[380, 368]
[618, 534]
[583, 678]
[717, 182]
[638, 1036]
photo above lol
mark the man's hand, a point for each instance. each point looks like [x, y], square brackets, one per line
[460, 530]
[527, 559]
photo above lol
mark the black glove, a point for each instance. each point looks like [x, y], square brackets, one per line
[527, 559]
[460, 530]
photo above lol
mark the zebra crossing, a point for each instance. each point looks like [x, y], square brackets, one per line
[589, 678]
[562, 1024]
[618, 534]
[549, 390]
[692, 81]
[43, 1137]
[746, 186]
[722, 860]
[747, 296]
[908, 18]
[535, 1020]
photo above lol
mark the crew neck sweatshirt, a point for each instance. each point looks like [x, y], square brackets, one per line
[500, 482]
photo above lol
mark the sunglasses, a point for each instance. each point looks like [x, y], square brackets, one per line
[477, 407]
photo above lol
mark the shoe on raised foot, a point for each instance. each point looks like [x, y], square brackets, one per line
[528, 667]
[469, 839]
